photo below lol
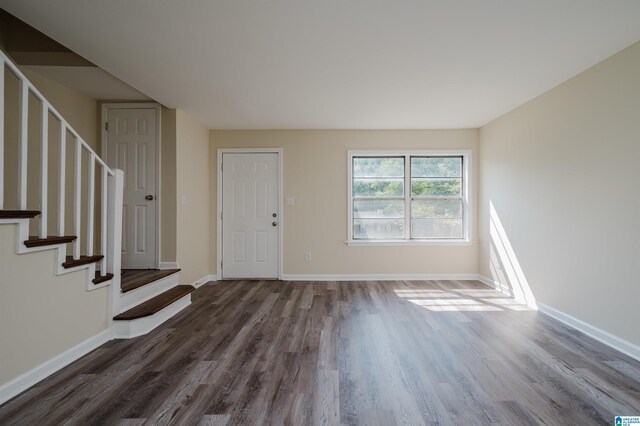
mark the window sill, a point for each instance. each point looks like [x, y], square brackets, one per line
[398, 243]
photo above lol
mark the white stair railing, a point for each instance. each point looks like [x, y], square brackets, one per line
[109, 177]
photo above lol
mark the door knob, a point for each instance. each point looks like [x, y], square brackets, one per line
[274, 224]
[148, 197]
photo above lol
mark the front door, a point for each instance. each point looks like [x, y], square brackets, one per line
[132, 143]
[250, 216]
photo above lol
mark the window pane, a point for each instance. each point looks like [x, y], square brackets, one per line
[451, 209]
[378, 187]
[433, 187]
[378, 166]
[378, 209]
[436, 166]
[436, 228]
[379, 229]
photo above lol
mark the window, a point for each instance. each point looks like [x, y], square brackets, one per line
[419, 197]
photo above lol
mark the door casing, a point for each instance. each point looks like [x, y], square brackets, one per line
[103, 150]
[222, 151]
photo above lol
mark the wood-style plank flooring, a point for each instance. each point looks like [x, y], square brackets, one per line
[401, 352]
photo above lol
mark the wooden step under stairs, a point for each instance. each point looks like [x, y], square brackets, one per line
[148, 297]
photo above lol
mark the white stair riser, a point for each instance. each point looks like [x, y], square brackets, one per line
[140, 326]
[135, 297]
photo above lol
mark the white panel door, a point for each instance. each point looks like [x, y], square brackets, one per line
[250, 216]
[132, 147]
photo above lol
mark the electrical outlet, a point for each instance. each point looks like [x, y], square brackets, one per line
[307, 256]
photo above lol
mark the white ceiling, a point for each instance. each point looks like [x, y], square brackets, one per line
[372, 64]
[92, 81]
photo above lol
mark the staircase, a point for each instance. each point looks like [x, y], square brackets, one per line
[93, 209]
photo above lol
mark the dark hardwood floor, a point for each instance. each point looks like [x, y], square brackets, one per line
[403, 352]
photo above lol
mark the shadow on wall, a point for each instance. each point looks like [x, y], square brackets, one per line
[504, 266]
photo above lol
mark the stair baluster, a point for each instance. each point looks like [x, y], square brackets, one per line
[44, 167]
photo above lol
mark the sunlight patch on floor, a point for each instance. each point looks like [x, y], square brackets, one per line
[462, 300]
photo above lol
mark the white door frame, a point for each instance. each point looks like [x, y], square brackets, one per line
[103, 150]
[221, 151]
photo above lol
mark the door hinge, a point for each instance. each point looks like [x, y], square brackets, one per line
[220, 264]
[221, 167]
[106, 126]
[220, 215]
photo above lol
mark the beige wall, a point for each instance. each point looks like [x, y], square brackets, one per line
[42, 314]
[562, 174]
[168, 186]
[315, 174]
[77, 108]
[193, 199]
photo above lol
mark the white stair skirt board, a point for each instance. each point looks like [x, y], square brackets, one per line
[47, 368]
[148, 291]
[22, 234]
[168, 265]
[380, 277]
[600, 335]
[140, 326]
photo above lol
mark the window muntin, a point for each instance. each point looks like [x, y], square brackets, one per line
[408, 197]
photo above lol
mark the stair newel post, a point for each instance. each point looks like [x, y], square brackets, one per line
[114, 235]
[1, 131]
[23, 145]
[77, 187]
[61, 176]
[103, 220]
[44, 167]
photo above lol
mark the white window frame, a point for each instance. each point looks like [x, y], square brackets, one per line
[467, 196]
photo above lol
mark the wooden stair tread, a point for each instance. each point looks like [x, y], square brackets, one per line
[155, 304]
[18, 214]
[101, 278]
[35, 241]
[148, 276]
[84, 260]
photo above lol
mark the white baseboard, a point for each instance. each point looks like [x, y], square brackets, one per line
[494, 284]
[204, 280]
[42, 371]
[168, 265]
[379, 277]
[600, 335]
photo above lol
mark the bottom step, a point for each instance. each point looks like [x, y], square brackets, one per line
[150, 314]
[155, 304]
